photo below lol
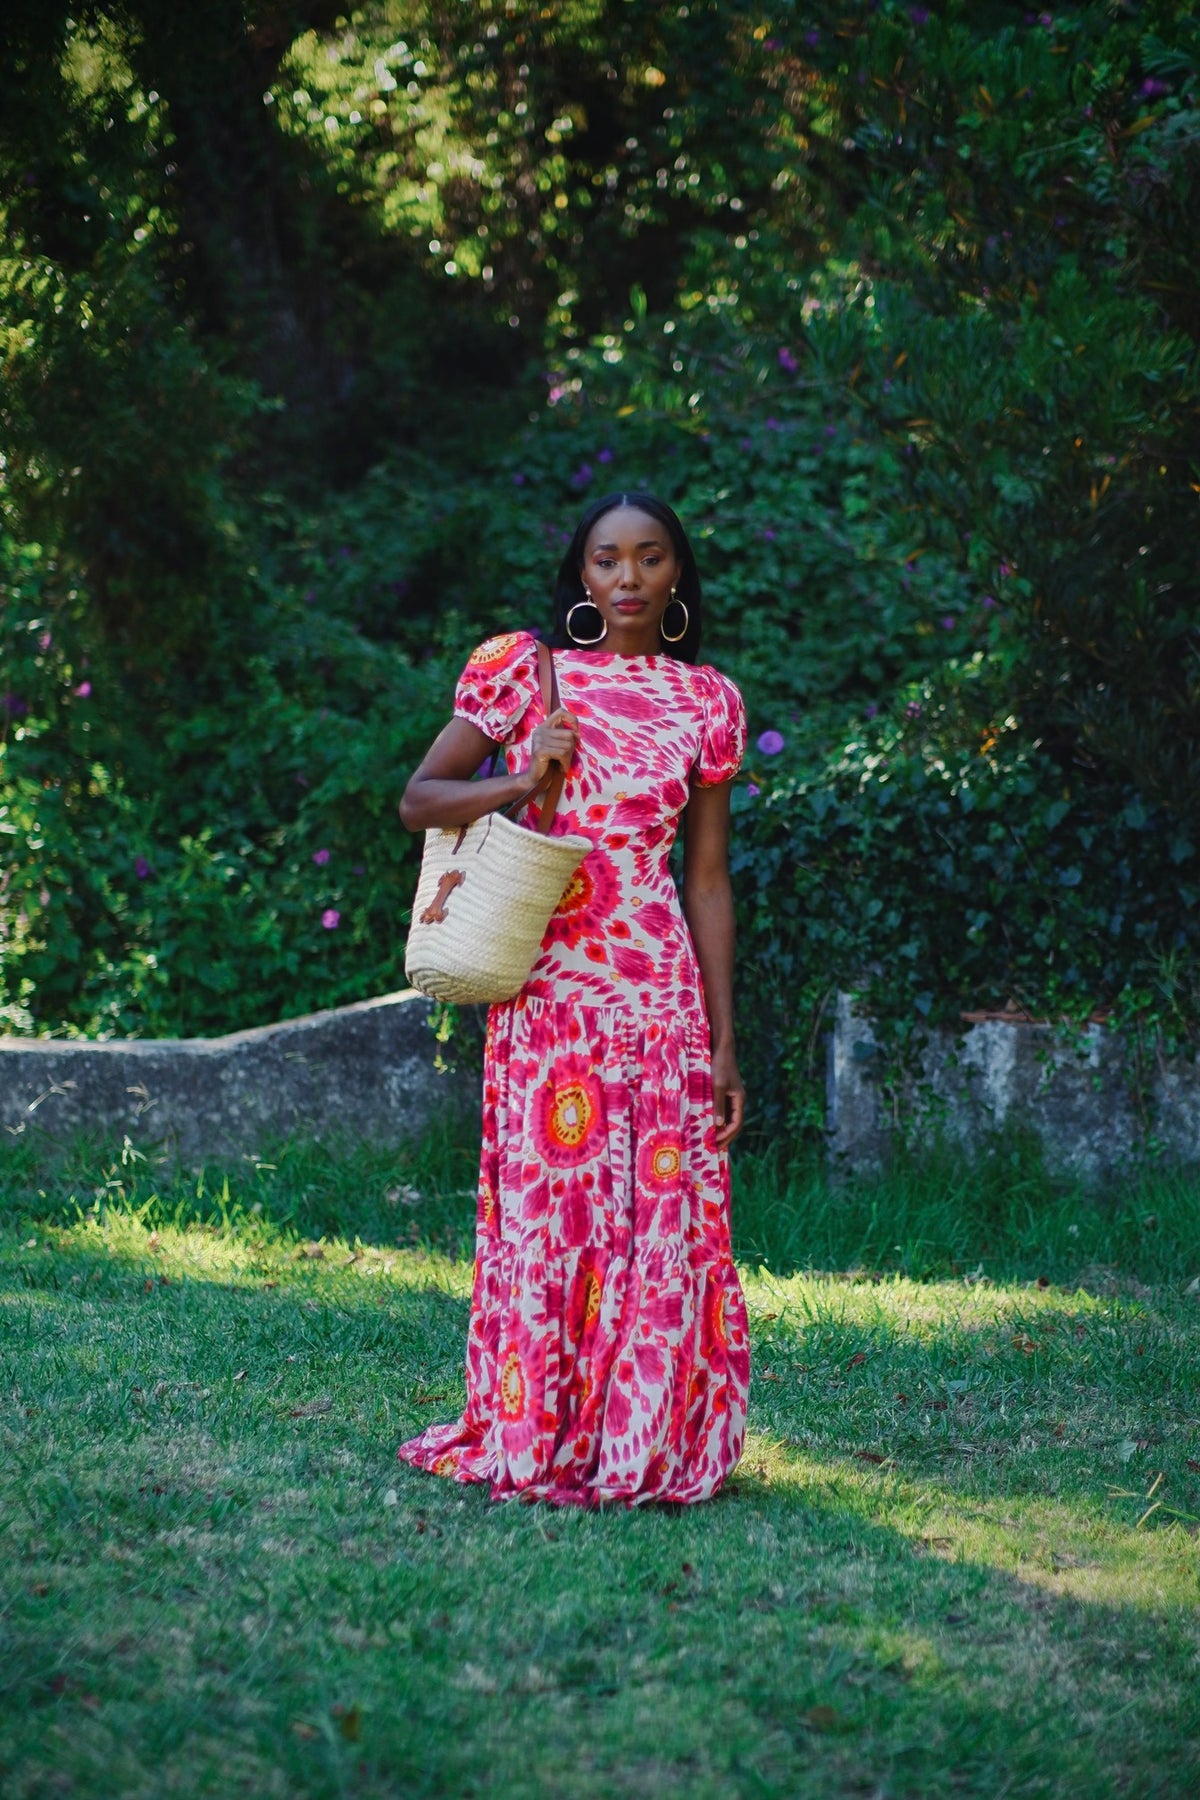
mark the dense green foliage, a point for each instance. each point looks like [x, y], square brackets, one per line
[317, 329]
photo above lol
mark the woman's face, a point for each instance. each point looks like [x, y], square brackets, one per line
[630, 567]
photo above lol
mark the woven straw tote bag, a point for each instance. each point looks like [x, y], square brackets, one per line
[487, 890]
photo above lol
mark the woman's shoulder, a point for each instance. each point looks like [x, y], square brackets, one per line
[717, 687]
[505, 652]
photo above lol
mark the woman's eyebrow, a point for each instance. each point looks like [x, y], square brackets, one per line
[646, 544]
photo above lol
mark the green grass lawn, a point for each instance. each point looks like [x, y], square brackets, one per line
[959, 1556]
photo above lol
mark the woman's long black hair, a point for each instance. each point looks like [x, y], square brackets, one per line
[568, 587]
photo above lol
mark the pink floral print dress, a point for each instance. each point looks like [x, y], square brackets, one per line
[608, 1352]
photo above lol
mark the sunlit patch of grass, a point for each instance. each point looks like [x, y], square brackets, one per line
[959, 1555]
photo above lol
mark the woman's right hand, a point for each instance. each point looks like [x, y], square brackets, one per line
[555, 741]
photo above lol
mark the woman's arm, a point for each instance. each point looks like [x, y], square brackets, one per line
[708, 908]
[441, 791]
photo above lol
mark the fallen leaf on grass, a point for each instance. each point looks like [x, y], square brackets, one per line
[822, 1718]
[302, 1729]
[938, 1543]
[310, 1410]
[1193, 1465]
[391, 1498]
[427, 1399]
[349, 1721]
[314, 1252]
[769, 1375]
[860, 1356]
[871, 1456]
[241, 1375]
[1025, 1344]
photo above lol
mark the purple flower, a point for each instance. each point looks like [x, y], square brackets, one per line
[44, 641]
[752, 788]
[1152, 88]
[774, 425]
[310, 597]
[949, 622]
[358, 868]
[919, 15]
[1005, 569]
[331, 918]
[582, 476]
[1046, 19]
[321, 857]
[141, 868]
[771, 743]
[787, 360]
[887, 385]
[988, 601]
[913, 710]
[345, 551]
[812, 38]
[771, 44]
[605, 455]
[747, 443]
[518, 480]
[769, 535]
[872, 710]
[14, 706]
[83, 691]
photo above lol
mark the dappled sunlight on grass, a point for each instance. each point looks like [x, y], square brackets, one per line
[932, 1533]
[1099, 1553]
[246, 1255]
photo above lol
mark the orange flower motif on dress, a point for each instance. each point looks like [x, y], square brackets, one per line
[521, 1366]
[583, 1303]
[568, 1114]
[660, 1160]
[494, 650]
[714, 1334]
[591, 895]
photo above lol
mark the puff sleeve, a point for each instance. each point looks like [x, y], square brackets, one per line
[723, 732]
[498, 683]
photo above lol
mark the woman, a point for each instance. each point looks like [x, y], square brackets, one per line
[607, 1356]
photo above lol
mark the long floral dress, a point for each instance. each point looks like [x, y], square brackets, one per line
[608, 1352]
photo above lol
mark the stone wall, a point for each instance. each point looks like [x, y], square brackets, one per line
[358, 1072]
[1075, 1093]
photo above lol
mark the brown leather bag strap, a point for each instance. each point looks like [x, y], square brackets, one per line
[551, 784]
[548, 678]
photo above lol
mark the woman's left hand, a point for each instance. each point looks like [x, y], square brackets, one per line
[729, 1097]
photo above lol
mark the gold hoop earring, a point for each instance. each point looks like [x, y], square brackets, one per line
[587, 604]
[687, 619]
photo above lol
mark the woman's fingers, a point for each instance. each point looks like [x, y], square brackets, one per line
[729, 1105]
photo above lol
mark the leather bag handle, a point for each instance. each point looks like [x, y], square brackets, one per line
[551, 783]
